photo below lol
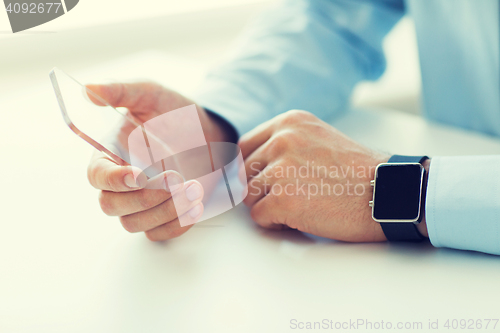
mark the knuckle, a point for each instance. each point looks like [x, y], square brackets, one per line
[287, 162]
[296, 116]
[321, 130]
[279, 143]
[145, 199]
[169, 210]
[243, 142]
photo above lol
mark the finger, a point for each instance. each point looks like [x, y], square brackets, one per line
[263, 214]
[255, 163]
[255, 138]
[105, 174]
[182, 201]
[156, 191]
[259, 187]
[242, 174]
[141, 96]
[173, 229]
[265, 154]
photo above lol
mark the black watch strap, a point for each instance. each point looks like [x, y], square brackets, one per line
[407, 159]
[401, 231]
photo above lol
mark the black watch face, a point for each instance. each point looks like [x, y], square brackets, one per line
[398, 192]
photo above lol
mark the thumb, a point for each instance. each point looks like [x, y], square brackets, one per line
[141, 96]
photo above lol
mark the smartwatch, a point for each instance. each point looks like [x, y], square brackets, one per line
[398, 197]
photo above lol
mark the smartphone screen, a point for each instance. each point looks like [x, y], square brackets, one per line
[101, 126]
[172, 140]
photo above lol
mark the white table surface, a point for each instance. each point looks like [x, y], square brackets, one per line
[66, 267]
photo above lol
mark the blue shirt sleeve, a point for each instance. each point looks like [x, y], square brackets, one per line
[300, 54]
[462, 209]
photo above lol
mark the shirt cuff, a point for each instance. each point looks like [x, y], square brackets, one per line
[462, 207]
[229, 101]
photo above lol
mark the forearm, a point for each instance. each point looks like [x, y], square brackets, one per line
[302, 55]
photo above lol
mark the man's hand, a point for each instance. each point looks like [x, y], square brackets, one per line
[306, 175]
[141, 208]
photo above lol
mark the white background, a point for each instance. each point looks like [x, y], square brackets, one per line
[212, 25]
[98, 12]
[66, 267]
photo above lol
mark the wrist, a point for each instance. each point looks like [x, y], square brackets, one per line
[375, 230]
[221, 130]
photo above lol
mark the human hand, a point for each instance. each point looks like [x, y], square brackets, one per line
[144, 205]
[306, 175]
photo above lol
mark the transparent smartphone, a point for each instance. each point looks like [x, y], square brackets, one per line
[172, 140]
[94, 124]
[106, 128]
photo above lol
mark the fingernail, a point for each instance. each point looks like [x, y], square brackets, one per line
[174, 182]
[141, 180]
[195, 211]
[193, 192]
[130, 181]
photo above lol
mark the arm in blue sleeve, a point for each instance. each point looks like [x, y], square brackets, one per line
[301, 54]
[462, 209]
